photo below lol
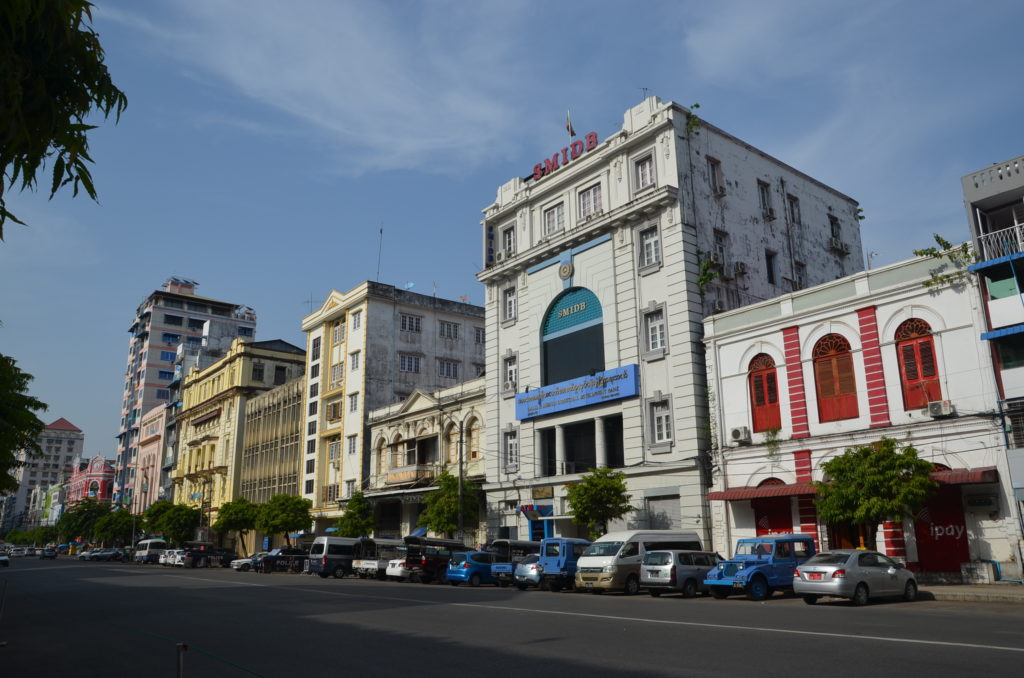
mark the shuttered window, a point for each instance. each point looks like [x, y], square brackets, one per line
[918, 373]
[834, 379]
[764, 393]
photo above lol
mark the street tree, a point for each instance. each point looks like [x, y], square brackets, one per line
[237, 515]
[115, 528]
[598, 497]
[357, 521]
[80, 519]
[178, 523]
[872, 483]
[284, 513]
[19, 426]
[441, 514]
[152, 515]
[52, 80]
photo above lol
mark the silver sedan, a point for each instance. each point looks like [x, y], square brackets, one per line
[854, 574]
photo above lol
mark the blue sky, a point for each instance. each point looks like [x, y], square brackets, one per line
[266, 143]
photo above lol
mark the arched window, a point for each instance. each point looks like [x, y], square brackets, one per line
[572, 336]
[764, 393]
[918, 375]
[834, 379]
[94, 488]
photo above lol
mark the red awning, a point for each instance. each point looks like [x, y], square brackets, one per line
[738, 493]
[966, 476]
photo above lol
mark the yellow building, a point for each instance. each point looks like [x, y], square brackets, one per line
[211, 423]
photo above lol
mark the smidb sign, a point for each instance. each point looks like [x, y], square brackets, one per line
[615, 384]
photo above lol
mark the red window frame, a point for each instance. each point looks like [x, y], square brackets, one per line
[919, 373]
[834, 379]
[764, 393]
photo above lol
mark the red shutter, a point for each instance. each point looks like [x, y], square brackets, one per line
[764, 396]
[837, 388]
[918, 373]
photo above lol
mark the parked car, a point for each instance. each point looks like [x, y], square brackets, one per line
[83, 555]
[17, 552]
[104, 554]
[397, 570]
[245, 564]
[676, 571]
[473, 567]
[854, 574]
[427, 557]
[760, 566]
[559, 558]
[5, 560]
[169, 557]
[612, 563]
[283, 559]
[47, 554]
[507, 554]
[528, 572]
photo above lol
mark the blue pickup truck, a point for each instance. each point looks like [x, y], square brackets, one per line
[558, 559]
[761, 566]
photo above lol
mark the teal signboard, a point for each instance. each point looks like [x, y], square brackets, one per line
[615, 384]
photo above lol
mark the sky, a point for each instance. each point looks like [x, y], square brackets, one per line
[266, 144]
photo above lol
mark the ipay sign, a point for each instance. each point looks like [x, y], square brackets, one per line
[568, 154]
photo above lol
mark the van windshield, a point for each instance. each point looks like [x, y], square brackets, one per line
[603, 548]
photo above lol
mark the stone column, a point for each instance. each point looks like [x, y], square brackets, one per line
[559, 450]
[600, 453]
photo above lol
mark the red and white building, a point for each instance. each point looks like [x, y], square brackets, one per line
[93, 479]
[797, 380]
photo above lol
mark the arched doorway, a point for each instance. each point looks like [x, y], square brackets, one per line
[772, 515]
[941, 531]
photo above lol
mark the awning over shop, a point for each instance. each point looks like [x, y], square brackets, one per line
[739, 493]
[966, 476]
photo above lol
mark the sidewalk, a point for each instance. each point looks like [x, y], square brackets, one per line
[1001, 592]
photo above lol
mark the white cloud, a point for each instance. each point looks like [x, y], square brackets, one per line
[388, 85]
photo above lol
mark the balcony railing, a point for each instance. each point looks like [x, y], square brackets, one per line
[411, 473]
[1001, 243]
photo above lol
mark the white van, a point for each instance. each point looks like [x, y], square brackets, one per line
[331, 556]
[149, 550]
[612, 562]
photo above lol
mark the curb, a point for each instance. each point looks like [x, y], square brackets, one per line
[971, 596]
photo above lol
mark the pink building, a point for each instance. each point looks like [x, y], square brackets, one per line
[147, 468]
[93, 479]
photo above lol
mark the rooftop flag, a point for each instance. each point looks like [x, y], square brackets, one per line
[568, 124]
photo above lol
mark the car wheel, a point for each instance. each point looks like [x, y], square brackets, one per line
[474, 580]
[521, 587]
[324, 575]
[757, 589]
[689, 589]
[244, 568]
[860, 595]
[632, 586]
[910, 592]
[339, 572]
[719, 592]
[810, 600]
[555, 587]
[654, 592]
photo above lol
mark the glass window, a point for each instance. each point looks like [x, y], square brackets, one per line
[643, 172]
[448, 369]
[167, 356]
[354, 361]
[351, 441]
[655, 325]
[554, 219]
[590, 201]
[357, 320]
[411, 323]
[509, 303]
[793, 205]
[243, 331]
[338, 333]
[511, 371]
[764, 196]
[408, 363]
[447, 330]
[314, 351]
[511, 451]
[650, 247]
[353, 402]
[479, 335]
[314, 371]
[661, 421]
[771, 267]
[508, 240]
[715, 177]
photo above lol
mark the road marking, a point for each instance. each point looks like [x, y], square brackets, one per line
[732, 627]
[605, 617]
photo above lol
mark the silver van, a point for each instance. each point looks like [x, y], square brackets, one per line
[674, 571]
[149, 550]
[331, 556]
[612, 563]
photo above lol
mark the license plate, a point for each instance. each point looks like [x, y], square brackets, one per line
[653, 573]
[814, 576]
[590, 585]
[737, 584]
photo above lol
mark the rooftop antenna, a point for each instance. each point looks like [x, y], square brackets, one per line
[309, 302]
[644, 90]
[380, 246]
[871, 255]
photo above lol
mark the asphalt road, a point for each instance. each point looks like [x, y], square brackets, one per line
[66, 618]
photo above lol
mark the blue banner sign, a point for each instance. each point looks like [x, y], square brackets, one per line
[616, 384]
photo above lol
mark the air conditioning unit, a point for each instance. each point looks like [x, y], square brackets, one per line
[715, 258]
[835, 244]
[499, 255]
[941, 408]
[845, 248]
[719, 306]
[509, 386]
[739, 435]
[740, 267]
[769, 214]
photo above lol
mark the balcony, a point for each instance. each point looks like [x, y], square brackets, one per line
[1003, 243]
[412, 473]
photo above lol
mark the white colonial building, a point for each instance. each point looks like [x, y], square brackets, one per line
[797, 380]
[599, 268]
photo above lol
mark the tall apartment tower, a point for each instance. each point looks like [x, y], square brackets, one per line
[367, 348]
[62, 443]
[599, 268]
[169, 317]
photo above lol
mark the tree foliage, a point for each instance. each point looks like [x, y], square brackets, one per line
[597, 498]
[357, 521]
[153, 514]
[954, 258]
[441, 515]
[115, 528]
[874, 482]
[177, 523]
[284, 513]
[19, 425]
[39, 536]
[238, 515]
[80, 520]
[52, 78]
